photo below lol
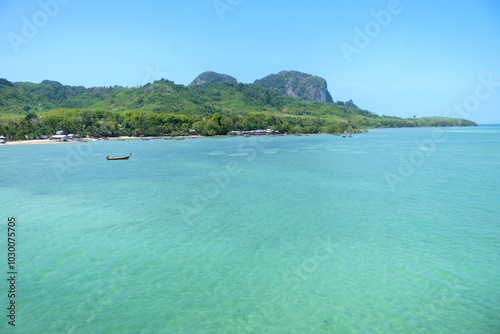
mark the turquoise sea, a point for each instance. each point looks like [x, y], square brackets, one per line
[394, 231]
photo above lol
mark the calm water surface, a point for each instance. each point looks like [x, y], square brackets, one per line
[394, 231]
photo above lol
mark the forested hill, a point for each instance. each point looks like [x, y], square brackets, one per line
[213, 77]
[166, 108]
[209, 93]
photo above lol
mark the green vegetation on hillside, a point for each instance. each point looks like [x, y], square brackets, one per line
[165, 108]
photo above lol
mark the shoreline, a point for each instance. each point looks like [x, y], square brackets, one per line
[122, 138]
[32, 142]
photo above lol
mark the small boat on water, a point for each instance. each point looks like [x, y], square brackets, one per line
[118, 158]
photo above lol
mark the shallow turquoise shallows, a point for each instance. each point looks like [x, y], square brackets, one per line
[394, 231]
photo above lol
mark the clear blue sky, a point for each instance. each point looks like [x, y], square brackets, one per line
[422, 60]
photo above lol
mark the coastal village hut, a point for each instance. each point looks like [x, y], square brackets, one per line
[59, 137]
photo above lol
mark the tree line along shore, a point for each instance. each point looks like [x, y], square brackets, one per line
[100, 124]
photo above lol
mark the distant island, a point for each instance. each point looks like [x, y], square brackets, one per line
[213, 104]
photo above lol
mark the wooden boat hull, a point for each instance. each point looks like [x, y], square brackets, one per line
[118, 158]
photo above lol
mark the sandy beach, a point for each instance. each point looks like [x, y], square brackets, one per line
[88, 140]
[34, 142]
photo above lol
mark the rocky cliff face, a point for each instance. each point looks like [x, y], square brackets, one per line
[297, 84]
[213, 77]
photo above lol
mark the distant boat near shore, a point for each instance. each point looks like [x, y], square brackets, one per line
[118, 158]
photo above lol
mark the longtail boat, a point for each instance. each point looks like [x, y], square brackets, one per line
[118, 158]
